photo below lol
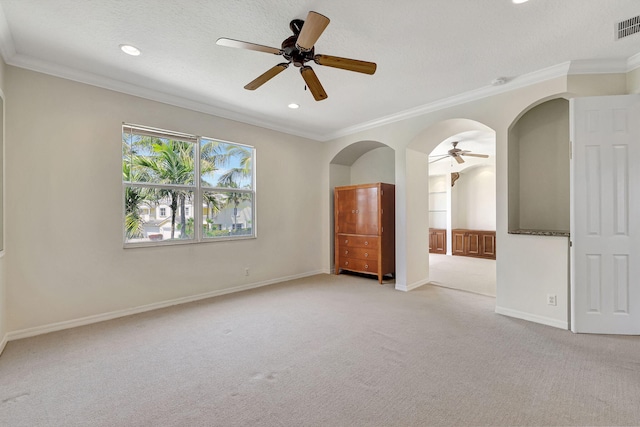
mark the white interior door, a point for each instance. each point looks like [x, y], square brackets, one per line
[605, 215]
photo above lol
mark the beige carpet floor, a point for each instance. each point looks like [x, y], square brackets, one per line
[464, 273]
[322, 351]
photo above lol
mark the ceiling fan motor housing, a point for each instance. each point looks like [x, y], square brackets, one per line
[293, 54]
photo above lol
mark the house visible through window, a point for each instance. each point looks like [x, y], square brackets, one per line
[166, 173]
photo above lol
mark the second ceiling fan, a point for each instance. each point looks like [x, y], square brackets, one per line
[298, 49]
[456, 153]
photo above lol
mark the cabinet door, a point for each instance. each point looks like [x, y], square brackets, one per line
[437, 241]
[474, 243]
[345, 202]
[367, 210]
[489, 245]
[459, 242]
[441, 241]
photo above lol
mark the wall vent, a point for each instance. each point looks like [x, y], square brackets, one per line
[628, 27]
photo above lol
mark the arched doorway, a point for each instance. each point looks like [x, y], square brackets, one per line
[462, 212]
[362, 162]
[417, 175]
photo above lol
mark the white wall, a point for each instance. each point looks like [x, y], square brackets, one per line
[542, 137]
[374, 166]
[475, 195]
[438, 201]
[3, 297]
[518, 294]
[64, 201]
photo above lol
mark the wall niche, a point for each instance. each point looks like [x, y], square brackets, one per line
[538, 170]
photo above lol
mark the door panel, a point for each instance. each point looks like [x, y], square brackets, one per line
[605, 257]
[346, 209]
[473, 247]
[367, 210]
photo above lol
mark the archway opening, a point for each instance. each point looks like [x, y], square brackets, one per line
[363, 162]
[461, 219]
[462, 212]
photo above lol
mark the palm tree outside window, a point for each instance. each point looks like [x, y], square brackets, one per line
[178, 171]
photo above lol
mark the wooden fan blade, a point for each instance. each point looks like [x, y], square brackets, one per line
[475, 155]
[458, 158]
[268, 75]
[437, 160]
[311, 31]
[246, 45]
[313, 83]
[346, 64]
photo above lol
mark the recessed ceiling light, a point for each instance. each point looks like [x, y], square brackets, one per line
[293, 106]
[130, 50]
[519, 1]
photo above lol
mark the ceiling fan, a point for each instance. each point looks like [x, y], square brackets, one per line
[298, 49]
[456, 153]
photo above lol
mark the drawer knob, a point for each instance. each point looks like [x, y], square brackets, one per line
[353, 211]
[346, 252]
[366, 243]
[346, 241]
[346, 263]
[366, 255]
[366, 266]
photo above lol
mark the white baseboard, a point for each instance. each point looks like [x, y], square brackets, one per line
[412, 286]
[3, 343]
[533, 318]
[68, 324]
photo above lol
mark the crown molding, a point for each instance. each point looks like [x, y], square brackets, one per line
[598, 66]
[559, 70]
[56, 70]
[633, 62]
[606, 66]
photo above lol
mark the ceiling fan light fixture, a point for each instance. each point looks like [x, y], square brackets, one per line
[293, 106]
[519, 1]
[130, 50]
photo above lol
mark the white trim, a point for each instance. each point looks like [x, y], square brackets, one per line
[56, 70]
[633, 62]
[68, 324]
[414, 285]
[3, 343]
[595, 66]
[598, 66]
[559, 70]
[533, 318]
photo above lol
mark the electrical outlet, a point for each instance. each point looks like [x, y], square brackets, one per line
[246, 271]
[551, 299]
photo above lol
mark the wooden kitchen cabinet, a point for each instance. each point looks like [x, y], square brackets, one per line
[474, 243]
[365, 229]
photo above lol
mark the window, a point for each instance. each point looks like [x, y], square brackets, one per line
[168, 173]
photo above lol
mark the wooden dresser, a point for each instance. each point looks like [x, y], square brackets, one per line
[365, 229]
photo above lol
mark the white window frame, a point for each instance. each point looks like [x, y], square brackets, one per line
[197, 190]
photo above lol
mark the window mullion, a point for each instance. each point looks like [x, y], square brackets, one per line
[197, 203]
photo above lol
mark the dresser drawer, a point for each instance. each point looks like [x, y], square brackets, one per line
[352, 241]
[361, 265]
[359, 253]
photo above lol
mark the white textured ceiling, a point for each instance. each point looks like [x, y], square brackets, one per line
[426, 50]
